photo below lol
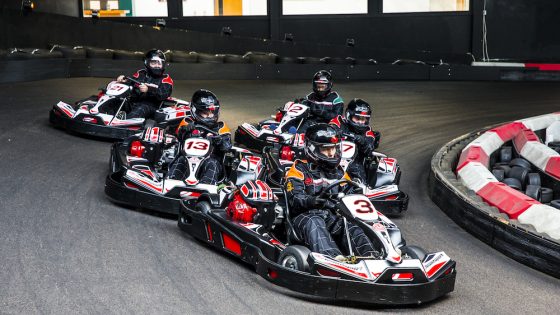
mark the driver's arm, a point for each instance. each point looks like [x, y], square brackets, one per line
[298, 200]
[224, 144]
[163, 91]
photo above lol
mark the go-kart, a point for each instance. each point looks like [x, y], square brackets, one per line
[241, 221]
[139, 170]
[382, 173]
[283, 130]
[104, 115]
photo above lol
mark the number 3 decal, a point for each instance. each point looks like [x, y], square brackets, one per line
[197, 145]
[363, 206]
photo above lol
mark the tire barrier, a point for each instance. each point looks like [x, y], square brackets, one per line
[504, 214]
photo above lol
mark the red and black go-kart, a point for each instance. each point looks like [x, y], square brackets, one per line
[104, 115]
[139, 170]
[246, 222]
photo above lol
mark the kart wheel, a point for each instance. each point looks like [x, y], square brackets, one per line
[513, 183]
[112, 163]
[534, 179]
[203, 206]
[499, 174]
[502, 166]
[506, 154]
[295, 257]
[555, 203]
[414, 252]
[519, 173]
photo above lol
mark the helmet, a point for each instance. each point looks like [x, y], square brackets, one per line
[155, 55]
[358, 108]
[321, 137]
[322, 83]
[203, 103]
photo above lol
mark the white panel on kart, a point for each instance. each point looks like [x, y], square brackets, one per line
[296, 109]
[116, 89]
[348, 149]
[196, 147]
[553, 132]
[360, 207]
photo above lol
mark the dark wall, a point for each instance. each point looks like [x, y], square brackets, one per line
[519, 29]
[63, 7]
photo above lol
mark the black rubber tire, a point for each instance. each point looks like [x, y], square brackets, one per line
[501, 166]
[546, 194]
[506, 154]
[286, 60]
[112, 163]
[554, 145]
[555, 203]
[534, 179]
[98, 53]
[295, 257]
[368, 62]
[184, 57]
[534, 192]
[313, 61]
[210, 58]
[521, 162]
[500, 174]
[519, 173]
[513, 183]
[261, 57]
[70, 52]
[236, 59]
[203, 206]
[414, 252]
[128, 55]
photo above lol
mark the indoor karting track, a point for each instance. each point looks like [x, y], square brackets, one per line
[66, 249]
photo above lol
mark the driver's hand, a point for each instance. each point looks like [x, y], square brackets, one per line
[121, 78]
[329, 205]
[143, 88]
[217, 141]
[185, 131]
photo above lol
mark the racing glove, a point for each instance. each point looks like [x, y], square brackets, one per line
[185, 131]
[320, 203]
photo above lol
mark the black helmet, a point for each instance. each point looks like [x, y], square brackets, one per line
[156, 55]
[322, 83]
[318, 137]
[359, 108]
[205, 102]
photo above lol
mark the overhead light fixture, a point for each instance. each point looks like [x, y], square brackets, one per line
[226, 31]
[350, 42]
[289, 37]
[27, 6]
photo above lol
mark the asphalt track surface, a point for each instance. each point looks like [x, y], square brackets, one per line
[64, 248]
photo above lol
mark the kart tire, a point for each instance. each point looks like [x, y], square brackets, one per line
[554, 145]
[506, 154]
[534, 192]
[504, 167]
[519, 173]
[546, 195]
[112, 163]
[499, 174]
[513, 183]
[521, 163]
[534, 179]
[414, 252]
[203, 206]
[295, 257]
[555, 203]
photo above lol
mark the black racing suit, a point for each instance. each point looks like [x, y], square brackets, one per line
[366, 142]
[320, 229]
[322, 109]
[144, 105]
[211, 171]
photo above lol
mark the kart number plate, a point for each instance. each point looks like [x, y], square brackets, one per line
[116, 89]
[196, 147]
[360, 207]
[348, 149]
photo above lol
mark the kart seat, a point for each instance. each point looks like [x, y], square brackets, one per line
[293, 236]
[276, 170]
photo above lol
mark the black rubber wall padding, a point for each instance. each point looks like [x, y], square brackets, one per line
[366, 61]
[339, 61]
[33, 69]
[31, 53]
[286, 60]
[128, 55]
[210, 58]
[98, 53]
[312, 60]
[261, 57]
[77, 52]
[235, 59]
[184, 57]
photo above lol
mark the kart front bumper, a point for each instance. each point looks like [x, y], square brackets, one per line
[60, 120]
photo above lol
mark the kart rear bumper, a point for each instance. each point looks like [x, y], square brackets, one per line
[393, 207]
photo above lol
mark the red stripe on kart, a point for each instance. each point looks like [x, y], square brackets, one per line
[435, 269]
[473, 154]
[553, 167]
[231, 244]
[524, 136]
[264, 191]
[508, 131]
[544, 66]
[66, 111]
[506, 199]
[150, 185]
[254, 189]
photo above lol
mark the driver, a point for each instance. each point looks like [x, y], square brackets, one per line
[156, 86]
[205, 111]
[355, 124]
[305, 181]
[323, 103]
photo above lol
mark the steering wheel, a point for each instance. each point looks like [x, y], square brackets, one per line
[133, 80]
[325, 192]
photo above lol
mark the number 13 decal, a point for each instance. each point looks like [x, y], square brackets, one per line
[197, 145]
[363, 206]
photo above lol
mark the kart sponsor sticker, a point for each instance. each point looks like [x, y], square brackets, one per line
[289, 186]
